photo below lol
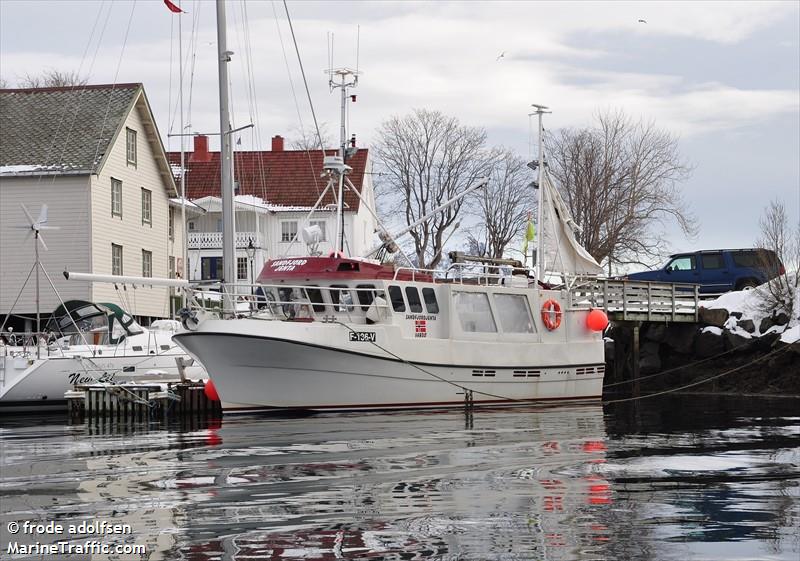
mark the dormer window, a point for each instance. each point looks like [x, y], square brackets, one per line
[130, 146]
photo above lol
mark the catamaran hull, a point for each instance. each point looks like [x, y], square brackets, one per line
[256, 371]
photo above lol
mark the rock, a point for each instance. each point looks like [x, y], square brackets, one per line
[716, 316]
[780, 318]
[737, 315]
[733, 341]
[655, 332]
[747, 325]
[765, 325]
[708, 344]
[609, 349]
[680, 337]
[649, 359]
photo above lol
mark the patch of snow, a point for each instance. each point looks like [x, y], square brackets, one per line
[712, 329]
[791, 335]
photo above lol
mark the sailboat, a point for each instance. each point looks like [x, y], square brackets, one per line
[331, 332]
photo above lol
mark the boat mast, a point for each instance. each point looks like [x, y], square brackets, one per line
[184, 269]
[540, 264]
[345, 81]
[226, 165]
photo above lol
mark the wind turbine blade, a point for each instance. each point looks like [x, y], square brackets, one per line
[41, 239]
[42, 215]
[49, 227]
[28, 214]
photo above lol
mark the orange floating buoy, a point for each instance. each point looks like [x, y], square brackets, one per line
[211, 391]
[597, 320]
[551, 314]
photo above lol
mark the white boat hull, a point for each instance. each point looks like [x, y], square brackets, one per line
[38, 384]
[314, 366]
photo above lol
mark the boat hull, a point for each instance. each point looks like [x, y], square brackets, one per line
[299, 369]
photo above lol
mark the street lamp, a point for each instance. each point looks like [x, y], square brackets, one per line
[251, 253]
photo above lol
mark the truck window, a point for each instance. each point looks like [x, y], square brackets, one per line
[685, 263]
[712, 261]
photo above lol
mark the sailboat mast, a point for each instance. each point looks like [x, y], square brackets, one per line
[184, 269]
[226, 162]
[342, 154]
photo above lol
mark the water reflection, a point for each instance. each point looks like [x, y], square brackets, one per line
[678, 479]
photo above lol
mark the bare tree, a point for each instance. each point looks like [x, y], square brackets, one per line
[3, 83]
[52, 78]
[306, 138]
[504, 204]
[426, 158]
[620, 179]
[778, 236]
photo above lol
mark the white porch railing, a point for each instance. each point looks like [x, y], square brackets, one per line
[213, 240]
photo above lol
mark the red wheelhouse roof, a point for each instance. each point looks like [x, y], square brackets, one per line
[332, 268]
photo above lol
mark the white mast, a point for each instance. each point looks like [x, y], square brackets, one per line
[184, 269]
[343, 74]
[226, 163]
[540, 264]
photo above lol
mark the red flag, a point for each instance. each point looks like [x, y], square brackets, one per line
[172, 7]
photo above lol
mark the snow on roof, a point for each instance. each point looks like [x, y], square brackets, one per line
[252, 203]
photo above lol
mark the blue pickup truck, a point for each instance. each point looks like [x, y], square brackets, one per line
[717, 270]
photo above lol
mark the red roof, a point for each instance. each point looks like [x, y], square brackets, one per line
[283, 177]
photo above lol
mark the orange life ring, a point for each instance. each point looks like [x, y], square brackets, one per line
[551, 314]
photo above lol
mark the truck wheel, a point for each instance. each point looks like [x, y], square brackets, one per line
[746, 284]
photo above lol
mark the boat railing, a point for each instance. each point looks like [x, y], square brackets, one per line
[297, 302]
[470, 273]
[27, 344]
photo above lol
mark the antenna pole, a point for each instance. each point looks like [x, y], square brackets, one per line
[343, 74]
[540, 264]
[38, 317]
[226, 166]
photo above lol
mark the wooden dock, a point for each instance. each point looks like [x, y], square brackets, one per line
[639, 301]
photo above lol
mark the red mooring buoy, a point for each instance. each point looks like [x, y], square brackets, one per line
[597, 320]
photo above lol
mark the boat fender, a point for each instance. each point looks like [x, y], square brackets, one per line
[374, 311]
[551, 315]
[597, 320]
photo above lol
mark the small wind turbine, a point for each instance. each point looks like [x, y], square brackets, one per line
[35, 227]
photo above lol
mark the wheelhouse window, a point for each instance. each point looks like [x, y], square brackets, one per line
[288, 230]
[116, 259]
[147, 206]
[414, 303]
[130, 146]
[514, 313]
[365, 294]
[342, 299]
[116, 197]
[431, 305]
[396, 296]
[147, 263]
[474, 312]
[314, 295]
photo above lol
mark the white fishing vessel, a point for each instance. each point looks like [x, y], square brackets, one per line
[332, 332]
[86, 343]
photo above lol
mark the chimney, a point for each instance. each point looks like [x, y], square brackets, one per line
[277, 143]
[201, 153]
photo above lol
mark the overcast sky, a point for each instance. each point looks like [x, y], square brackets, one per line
[724, 77]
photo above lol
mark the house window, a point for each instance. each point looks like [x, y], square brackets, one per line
[241, 268]
[116, 259]
[116, 197]
[219, 224]
[147, 263]
[171, 267]
[131, 146]
[147, 206]
[321, 224]
[171, 223]
[288, 230]
[211, 268]
[192, 226]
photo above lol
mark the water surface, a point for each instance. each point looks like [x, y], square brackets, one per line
[692, 477]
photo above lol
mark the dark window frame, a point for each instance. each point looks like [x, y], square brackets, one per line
[431, 304]
[413, 299]
[397, 306]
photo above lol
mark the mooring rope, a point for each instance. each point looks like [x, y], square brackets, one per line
[533, 400]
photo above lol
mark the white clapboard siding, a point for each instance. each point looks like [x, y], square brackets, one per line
[128, 231]
[67, 198]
